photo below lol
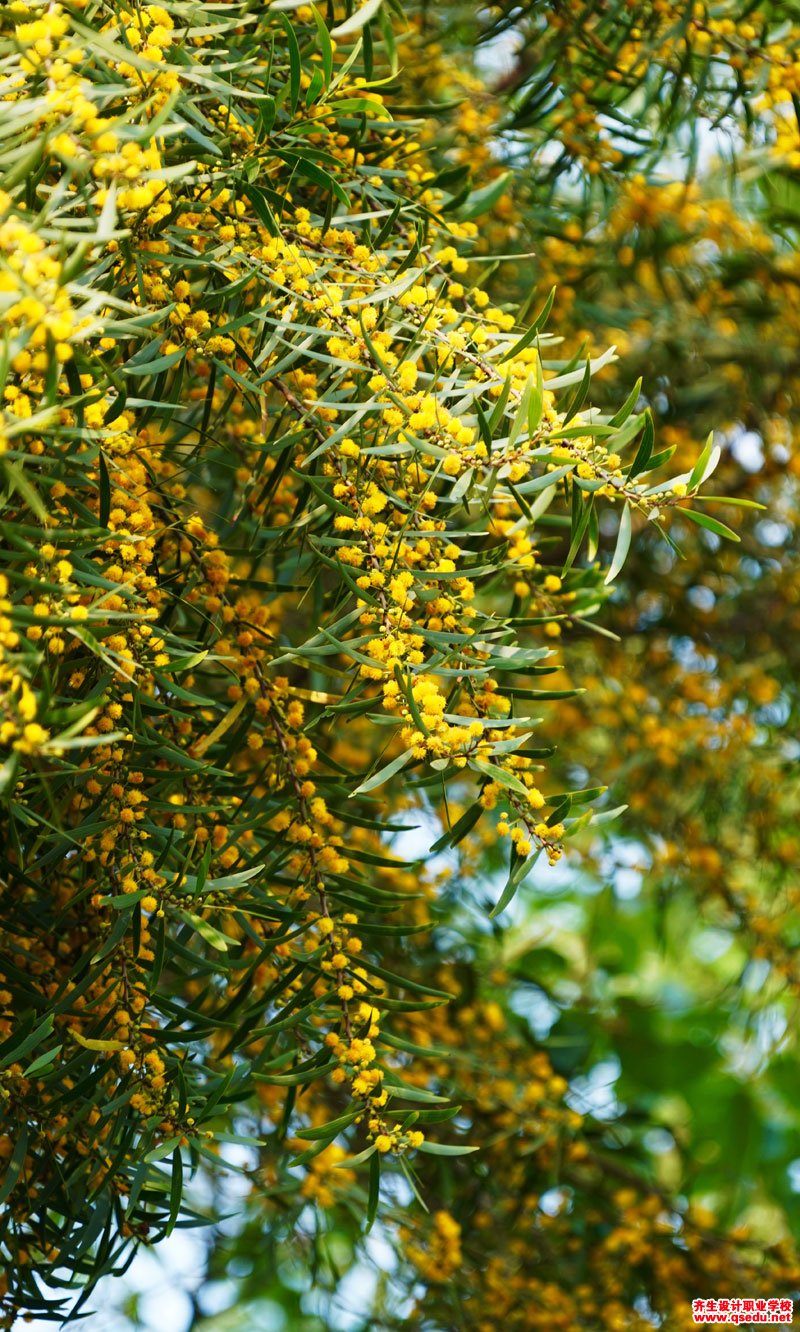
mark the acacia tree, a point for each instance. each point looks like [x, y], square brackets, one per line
[307, 484]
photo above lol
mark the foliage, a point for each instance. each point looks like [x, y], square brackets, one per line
[302, 493]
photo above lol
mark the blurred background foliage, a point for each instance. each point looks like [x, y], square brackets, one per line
[621, 1039]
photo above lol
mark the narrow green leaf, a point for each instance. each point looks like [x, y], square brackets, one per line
[374, 1190]
[15, 1164]
[42, 1062]
[623, 544]
[645, 448]
[705, 463]
[358, 20]
[175, 1190]
[29, 1042]
[295, 66]
[627, 407]
[533, 332]
[445, 1149]
[329, 1130]
[517, 874]
[710, 524]
[165, 1149]
[383, 774]
[350, 1162]
[325, 46]
[484, 199]
[497, 774]
[206, 931]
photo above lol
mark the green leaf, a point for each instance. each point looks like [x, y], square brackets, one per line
[729, 499]
[29, 1042]
[484, 199]
[165, 1149]
[303, 166]
[518, 872]
[105, 491]
[630, 402]
[15, 1164]
[445, 1149]
[383, 774]
[623, 544]
[206, 931]
[533, 332]
[404, 1093]
[176, 1190]
[155, 366]
[645, 448]
[710, 524]
[351, 1162]
[358, 20]
[42, 1062]
[497, 774]
[541, 483]
[295, 66]
[705, 463]
[460, 828]
[579, 397]
[374, 1190]
[325, 45]
[329, 1130]
[520, 421]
